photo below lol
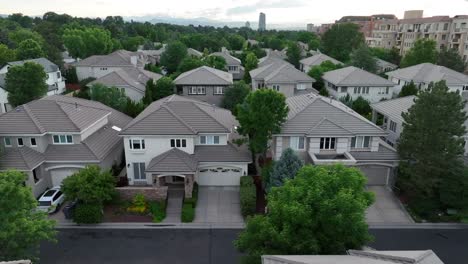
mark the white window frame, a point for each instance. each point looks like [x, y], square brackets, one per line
[392, 126]
[359, 142]
[9, 142]
[31, 142]
[301, 86]
[297, 143]
[178, 142]
[63, 139]
[209, 140]
[18, 142]
[275, 87]
[141, 171]
[201, 90]
[329, 143]
[218, 90]
[233, 68]
[139, 141]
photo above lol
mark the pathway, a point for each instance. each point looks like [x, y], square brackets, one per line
[174, 205]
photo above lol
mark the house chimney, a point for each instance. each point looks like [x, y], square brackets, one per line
[134, 60]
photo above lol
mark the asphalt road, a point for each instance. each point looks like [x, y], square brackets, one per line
[215, 246]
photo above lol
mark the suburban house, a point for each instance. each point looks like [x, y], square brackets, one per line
[272, 57]
[178, 140]
[204, 84]
[283, 77]
[4, 105]
[325, 131]
[388, 115]
[131, 80]
[51, 138]
[359, 257]
[315, 60]
[98, 66]
[357, 82]
[385, 66]
[423, 74]
[233, 64]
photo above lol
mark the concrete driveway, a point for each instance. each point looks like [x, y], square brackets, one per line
[386, 208]
[218, 205]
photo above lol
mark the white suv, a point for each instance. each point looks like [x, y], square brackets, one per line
[51, 200]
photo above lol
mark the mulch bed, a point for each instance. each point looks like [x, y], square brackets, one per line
[261, 201]
[113, 213]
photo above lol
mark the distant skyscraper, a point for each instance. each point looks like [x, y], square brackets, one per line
[262, 22]
[310, 27]
[247, 24]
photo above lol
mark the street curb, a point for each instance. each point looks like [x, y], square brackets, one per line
[150, 225]
[418, 226]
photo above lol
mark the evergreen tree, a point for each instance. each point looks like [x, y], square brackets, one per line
[424, 50]
[251, 62]
[362, 58]
[408, 89]
[284, 169]
[451, 59]
[294, 54]
[25, 83]
[235, 95]
[150, 91]
[173, 55]
[164, 87]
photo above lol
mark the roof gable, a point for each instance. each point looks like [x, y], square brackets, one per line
[173, 160]
[317, 59]
[327, 127]
[352, 76]
[204, 75]
[428, 72]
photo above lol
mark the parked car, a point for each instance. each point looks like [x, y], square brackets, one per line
[51, 200]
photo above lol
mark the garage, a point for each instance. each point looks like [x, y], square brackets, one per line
[219, 176]
[376, 175]
[57, 175]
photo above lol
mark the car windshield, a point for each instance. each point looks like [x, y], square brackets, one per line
[44, 203]
[49, 193]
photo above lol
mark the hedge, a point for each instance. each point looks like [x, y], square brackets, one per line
[193, 201]
[248, 196]
[188, 213]
[88, 213]
[158, 210]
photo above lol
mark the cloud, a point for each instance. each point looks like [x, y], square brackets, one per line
[246, 9]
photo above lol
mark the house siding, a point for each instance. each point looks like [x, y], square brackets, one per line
[209, 95]
[376, 93]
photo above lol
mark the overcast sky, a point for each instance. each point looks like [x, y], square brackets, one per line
[277, 11]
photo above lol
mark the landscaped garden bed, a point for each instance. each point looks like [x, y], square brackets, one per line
[137, 210]
[189, 205]
[248, 196]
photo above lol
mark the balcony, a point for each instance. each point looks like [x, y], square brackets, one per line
[455, 40]
[332, 158]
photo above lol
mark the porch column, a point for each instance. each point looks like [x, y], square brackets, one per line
[374, 116]
[188, 184]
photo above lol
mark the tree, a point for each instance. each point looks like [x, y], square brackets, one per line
[341, 39]
[174, 54]
[408, 89]
[391, 55]
[25, 83]
[88, 41]
[430, 148]
[360, 105]
[164, 87]
[251, 62]
[150, 92]
[90, 185]
[318, 71]
[260, 116]
[22, 227]
[189, 63]
[235, 96]
[236, 41]
[362, 58]
[216, 62]
[294, 54]
[6, 55]
[29, 49]
[285, 168]
[311, 214]
[424, 50]
[450, 58]
[20, 35]
[110, 96]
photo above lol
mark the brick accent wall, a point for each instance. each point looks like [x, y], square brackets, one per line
[188, 185]
[150, 193]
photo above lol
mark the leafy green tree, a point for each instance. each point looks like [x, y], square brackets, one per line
[275, 43]
[90, 185]
[29, 49]
[133, 108]
[22, 227]
[150, 92]
[110, 96]
[20, 35]
[189, 63]
[360, 105]
[311, 214]
[260, 116]
[424, 50]
[341, 39]
[362, 58]
[164, 87]
[6, 55]
[451, 59]
[25, 83]
[318, 71]
[430, 148]
[173, 55]
[251, 62]
[391, 55]
[88, 41]
[408, 89]
[236, 41]
[132, 43]
[284, 169]
[294, 54]
[216, 62]
[235, 96]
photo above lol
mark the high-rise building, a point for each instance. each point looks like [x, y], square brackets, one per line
[310, 27]
[262, 22]
[247, 24]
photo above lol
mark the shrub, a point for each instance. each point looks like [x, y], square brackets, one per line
[188, 213]
[139, 204]
[158, 210]
[248, 196]
[88, 213]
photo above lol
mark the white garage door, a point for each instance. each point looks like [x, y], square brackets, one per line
[219, 177]
[58, 175]
[376, 175]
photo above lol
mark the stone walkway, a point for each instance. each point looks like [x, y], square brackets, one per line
[174, 205]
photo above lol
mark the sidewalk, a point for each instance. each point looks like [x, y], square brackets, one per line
[150, 226]
[174, 206]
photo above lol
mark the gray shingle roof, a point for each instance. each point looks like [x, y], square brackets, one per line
[75, 152]
[204, 75]
[307, 114]
[226, 153]
[23, 159]
[428, 72]
[352, 76]
[230, 60]
[173, 160]
[45, 63]
[382, 63]
[272, 58]
[177, 115]
[280, 73]
[194, 52]
[384, 153]
[128, 77]
[119, 58]
[395, 107]
[318, 59]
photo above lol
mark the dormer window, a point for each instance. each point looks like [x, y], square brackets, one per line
[63, 139]
[209, 140]
[178, 143]
[137, 144]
